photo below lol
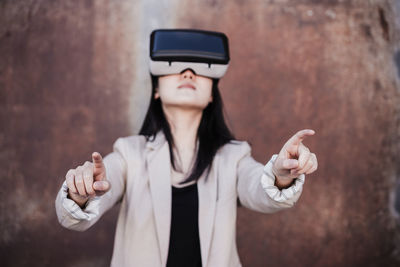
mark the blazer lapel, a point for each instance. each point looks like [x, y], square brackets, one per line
[207, 203]
[158, 165]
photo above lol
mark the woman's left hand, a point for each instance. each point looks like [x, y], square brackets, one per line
[294, 159]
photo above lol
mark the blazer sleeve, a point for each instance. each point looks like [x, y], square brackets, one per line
[256, 185]
[71, 216]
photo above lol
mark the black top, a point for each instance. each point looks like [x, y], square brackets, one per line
[184, 243]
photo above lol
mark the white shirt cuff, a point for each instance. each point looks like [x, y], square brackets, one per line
[87, 213]
[268, 183]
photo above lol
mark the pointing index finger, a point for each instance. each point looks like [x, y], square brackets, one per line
[97, 160]
[300, 136]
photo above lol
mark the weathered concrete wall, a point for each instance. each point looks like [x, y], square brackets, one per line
[73, 78]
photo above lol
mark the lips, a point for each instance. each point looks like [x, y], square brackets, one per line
[187, 85]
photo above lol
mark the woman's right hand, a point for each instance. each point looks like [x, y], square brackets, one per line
[87, 180]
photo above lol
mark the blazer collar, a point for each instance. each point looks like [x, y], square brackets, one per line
[207, 206]
[159, 169]
[158, 141]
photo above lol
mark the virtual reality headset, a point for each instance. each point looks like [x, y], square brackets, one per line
[175, 50]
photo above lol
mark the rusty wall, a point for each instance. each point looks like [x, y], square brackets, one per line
[73, 78]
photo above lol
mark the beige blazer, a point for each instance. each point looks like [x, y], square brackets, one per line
[139, 172]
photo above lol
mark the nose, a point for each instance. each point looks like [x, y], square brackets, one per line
[188, 74]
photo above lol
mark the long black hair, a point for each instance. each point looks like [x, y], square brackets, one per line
[212, 133]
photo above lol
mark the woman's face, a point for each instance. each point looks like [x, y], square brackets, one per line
[186, 90]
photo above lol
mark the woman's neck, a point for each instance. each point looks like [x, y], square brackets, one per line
[184, 125]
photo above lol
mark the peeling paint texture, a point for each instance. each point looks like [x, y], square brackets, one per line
[74, 78]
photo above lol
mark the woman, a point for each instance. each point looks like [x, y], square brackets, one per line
[178, 180]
